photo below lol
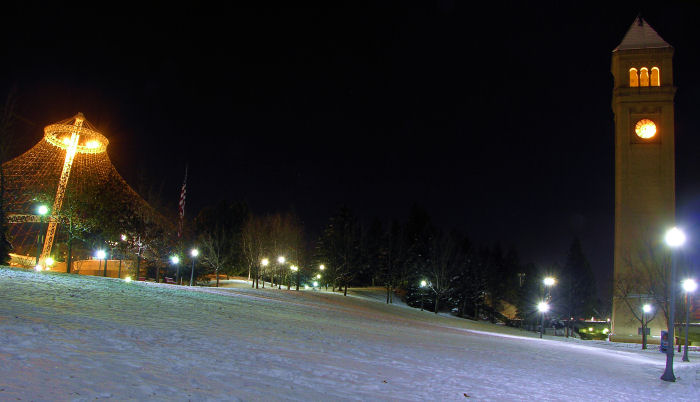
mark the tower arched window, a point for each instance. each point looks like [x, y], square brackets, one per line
[634, 77]
[644, 77]
[655, 77]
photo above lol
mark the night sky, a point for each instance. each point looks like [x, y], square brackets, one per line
[497, 120]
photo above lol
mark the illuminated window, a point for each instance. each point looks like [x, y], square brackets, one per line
[634, 78]
[655, 77]
[644, 77]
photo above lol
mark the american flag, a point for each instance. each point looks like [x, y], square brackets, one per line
[182, 204]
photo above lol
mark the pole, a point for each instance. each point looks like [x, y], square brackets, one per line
[192, 273]
[421, 299]
[104, 273]
[542, 326]
[38, 240]
[644, 329]
[668, 372]
[687, 322]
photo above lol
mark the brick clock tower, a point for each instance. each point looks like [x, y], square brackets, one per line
[644, 171]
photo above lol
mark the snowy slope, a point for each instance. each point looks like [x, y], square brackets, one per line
[70, 337]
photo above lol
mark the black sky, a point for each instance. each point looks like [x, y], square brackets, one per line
[496, 119]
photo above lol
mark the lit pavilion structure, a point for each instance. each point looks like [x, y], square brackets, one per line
[71, 157]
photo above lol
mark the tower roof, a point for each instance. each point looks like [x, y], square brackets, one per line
[641, 36]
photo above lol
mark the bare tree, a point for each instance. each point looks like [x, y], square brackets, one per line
[626, 288]
[215, 253]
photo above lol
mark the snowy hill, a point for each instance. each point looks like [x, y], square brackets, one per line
[71, 337]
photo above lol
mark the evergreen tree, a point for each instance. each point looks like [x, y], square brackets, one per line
[577, 284]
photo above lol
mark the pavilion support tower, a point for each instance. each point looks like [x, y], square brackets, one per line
[642, 102]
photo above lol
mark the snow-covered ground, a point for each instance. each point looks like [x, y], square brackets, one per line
[71, 337]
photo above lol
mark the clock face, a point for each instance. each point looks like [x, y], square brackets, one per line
[645, 129]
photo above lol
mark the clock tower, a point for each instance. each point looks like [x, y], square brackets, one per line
[644, 174]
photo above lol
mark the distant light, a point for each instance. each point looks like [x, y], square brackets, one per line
[37, 268]
[101, 254]
[123, 237]
[127, 279]
[42, 210]
[49, 261]
[675, 237]
[646, 308]
[318, 276]
[92, 144]
[294, 268]
[542, 307]
[549, 281]
[66, 140]
[605, 330]
[280, 259]
[423, 284]
[175, 259]
[689, 285]
[265, 262]
[321, 267]
[315, 283]
[306, 286]
[590, 329]
[194, 252]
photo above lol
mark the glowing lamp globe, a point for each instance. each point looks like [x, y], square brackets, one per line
[549, 281]
[423, 284]
[42, 210]
[194, 252]
[127, 279]
[675, 237]
[101, 254]
[646, 308]
[175, 259]
[280, 260]
[264, 262]
[689, 285]
[542, 307]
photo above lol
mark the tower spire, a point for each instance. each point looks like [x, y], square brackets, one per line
[641, 36]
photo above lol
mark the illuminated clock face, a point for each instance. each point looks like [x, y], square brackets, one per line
[645, 129]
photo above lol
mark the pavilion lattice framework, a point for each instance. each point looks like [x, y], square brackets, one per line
[71, 157]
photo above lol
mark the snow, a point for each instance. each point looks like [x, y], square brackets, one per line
[74, 337]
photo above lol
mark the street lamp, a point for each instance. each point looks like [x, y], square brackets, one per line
[542, 307]
[646, 309]
[548, 283]
[176, 261]
[280, 261]
[194, 253]
[689, 285]
[294, 269]
[265, 262]
[675, 239]
[42, 210]
[102, 255]
[423, 284]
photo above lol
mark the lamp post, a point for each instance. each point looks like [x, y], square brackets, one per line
[194, 253]
[265, 262]
[675, 239]
[42, 210]
[175, 260]
[542, 307]
[280, 261]
[322, 267]
[423, 284]
[646, 309]
[689, 285]
[294, 269]
[102, 255]
[548, 283]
